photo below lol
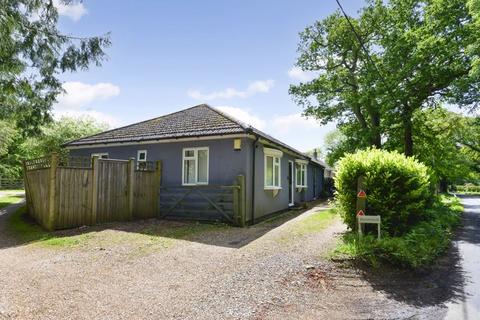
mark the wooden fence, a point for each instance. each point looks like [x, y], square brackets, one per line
[71, 192]
[67, 193]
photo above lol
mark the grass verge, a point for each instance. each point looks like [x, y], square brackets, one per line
[9, 199]
[314, 223]
[416, 249]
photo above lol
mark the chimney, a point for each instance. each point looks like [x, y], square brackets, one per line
[315, 153]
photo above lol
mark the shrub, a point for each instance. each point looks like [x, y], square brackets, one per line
[417, 248]
[398, 189]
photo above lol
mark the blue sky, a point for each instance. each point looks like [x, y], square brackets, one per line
[169, 55]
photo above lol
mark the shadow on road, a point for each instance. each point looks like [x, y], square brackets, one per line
[430, 287]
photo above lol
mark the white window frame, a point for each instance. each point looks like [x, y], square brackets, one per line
[100, 155]
[301, 165]
[275, 155]
[138, 157]
[195, 157]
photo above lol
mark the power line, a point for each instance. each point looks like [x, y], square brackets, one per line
[362, 45]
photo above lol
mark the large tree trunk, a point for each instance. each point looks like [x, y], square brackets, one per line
[376, 137]
[408, 136]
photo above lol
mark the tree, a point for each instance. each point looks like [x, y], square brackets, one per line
[343, 89]
[33, 52]
[59, 132]
[421, 53]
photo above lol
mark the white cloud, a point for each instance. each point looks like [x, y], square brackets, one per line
[244, 116]
[293, 122]
[260, 86]
[74, 10]
[79, 94]
[298, 74]
[112, 121]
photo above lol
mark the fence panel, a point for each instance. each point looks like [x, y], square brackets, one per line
[37, 194]
[145, 204]
[74, 197]
[112, 200]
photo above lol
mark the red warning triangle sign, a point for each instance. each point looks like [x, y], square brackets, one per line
[361, 194]
[360, 213]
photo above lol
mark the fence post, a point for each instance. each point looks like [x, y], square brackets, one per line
[52, 214]
[27, 190]
[158, 183]
[93, 216]
[239, 201]
[130, 186]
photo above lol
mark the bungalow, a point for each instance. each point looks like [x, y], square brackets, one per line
[203, 146]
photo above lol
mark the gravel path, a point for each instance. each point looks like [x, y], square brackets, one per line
[263, 272]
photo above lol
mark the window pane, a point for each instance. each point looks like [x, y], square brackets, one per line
[189, 171]
[141, 156]
[202, 166]
[277, 173]
[299, 176]
[189, 153]
[269, 171]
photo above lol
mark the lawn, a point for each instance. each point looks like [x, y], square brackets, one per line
[8, 199]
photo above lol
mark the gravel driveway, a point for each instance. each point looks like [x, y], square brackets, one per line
[273, 270]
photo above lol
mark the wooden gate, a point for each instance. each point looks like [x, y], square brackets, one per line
[207, 203]
[112, 190]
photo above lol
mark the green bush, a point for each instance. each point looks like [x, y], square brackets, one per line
[468, 188]
[398, 189]
[417, 248]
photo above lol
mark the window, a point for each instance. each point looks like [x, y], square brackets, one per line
[272, 168]
[103, 155]
[141, 159]
[301, 167]
[195, 166]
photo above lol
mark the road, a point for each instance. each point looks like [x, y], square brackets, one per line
[467, 305]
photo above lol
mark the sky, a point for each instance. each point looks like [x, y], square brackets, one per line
[165, 56]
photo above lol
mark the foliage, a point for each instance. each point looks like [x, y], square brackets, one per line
[468, 189]
[421, 53]
[57, 133]
[50, 139]
[33, 52]
[439, 144]
[419, 247]
[398, 189]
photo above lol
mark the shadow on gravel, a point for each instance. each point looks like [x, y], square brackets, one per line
[21, 229]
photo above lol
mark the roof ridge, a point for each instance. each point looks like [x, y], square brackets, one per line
[136, 123]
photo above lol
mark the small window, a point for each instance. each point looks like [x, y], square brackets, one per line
[301, 175]
[103, 155]
[195, 166]
[141, 159]
[272, 168]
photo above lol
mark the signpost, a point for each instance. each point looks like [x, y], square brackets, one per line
[362, 219]
[368, 219]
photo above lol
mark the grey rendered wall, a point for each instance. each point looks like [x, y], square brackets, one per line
[224, 162]
[265, 202]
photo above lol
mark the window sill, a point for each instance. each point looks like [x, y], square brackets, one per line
[272, 188]
[194, 184]
[301, 187]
